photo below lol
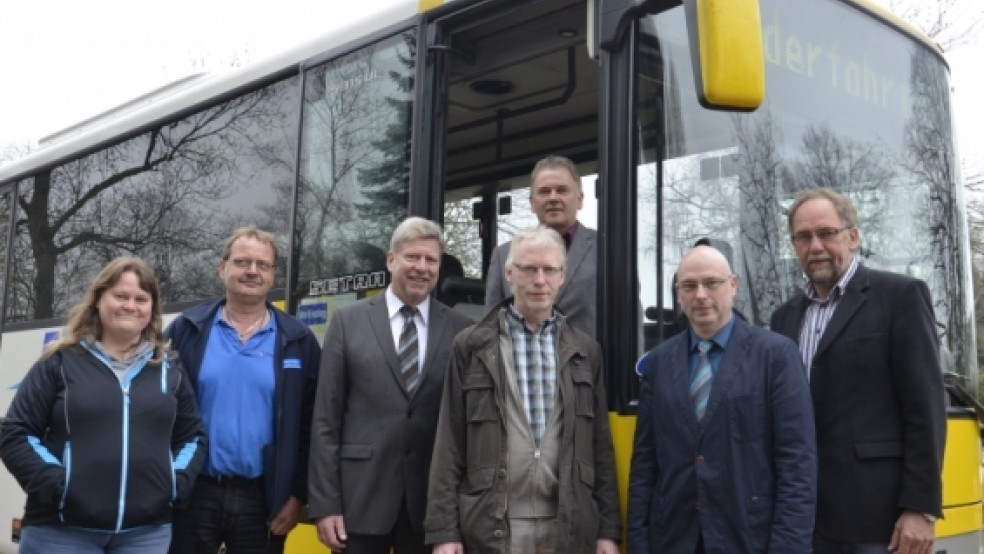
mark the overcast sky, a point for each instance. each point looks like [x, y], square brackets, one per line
[62, 61]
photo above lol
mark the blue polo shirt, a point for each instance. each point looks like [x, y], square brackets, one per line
[236, 387]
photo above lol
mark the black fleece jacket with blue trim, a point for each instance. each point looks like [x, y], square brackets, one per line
[93, 452]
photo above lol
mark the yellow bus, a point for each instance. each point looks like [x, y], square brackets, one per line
[691, 119]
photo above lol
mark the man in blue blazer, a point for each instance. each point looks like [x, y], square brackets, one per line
[868, 339]
[725, 457]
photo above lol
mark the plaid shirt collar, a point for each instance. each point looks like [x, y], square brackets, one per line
[515, 320]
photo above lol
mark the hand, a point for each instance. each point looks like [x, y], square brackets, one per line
[606, 546]
[449, 548]
[286, 519]
[331, 532]
[913, 534]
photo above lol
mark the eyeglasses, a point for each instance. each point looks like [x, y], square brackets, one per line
[532, 270]
[246, 263]
[710, 284]
[825, 234]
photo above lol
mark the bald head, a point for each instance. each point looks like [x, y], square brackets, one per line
[704, 255]
[706, 288]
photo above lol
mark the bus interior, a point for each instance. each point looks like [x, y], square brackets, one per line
[519, 86]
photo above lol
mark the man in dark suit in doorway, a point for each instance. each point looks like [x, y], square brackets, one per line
[556, 197]
[868, 340]
[382, 370]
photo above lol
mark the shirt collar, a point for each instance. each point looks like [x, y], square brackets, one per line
[516, 319]
[139, 351]
[393, 305]
[838, 290]
[568, 235]
[720, 338]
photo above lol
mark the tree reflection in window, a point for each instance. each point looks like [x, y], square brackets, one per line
[355, 157]
[169, 195]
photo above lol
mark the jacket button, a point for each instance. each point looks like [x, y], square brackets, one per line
[697, 506]
[700, 459]
[498, 533]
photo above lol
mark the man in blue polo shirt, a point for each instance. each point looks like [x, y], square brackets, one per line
[254, 369]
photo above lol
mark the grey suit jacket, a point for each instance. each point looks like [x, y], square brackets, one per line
[578, 296]
[371, 442]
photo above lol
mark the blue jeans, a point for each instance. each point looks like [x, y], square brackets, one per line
[60, 539]
[230, 513]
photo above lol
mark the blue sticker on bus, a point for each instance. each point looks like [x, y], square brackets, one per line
[315, 313]
[50, 337]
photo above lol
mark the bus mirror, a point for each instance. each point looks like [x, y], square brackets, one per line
[726, 46]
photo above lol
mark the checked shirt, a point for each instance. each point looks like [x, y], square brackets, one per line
[535, 365]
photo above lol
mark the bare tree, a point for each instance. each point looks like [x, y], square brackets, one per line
[165, 195]
[463, 241]
[12, 152]
[951, 23]
[354, 164]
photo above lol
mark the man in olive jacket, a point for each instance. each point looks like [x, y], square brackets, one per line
[523, 457]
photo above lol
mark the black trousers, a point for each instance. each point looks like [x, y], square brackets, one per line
[232, 512]
[403, 539]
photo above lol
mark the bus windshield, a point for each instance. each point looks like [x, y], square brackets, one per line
[845, 109]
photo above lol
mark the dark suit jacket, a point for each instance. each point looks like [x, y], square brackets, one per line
[749, 466]
[371, 443]
[879, 402]
[578, 295]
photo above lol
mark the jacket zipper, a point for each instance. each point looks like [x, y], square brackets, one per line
[135, 370]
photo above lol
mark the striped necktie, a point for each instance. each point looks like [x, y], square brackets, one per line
[700, 386]
[408, 351]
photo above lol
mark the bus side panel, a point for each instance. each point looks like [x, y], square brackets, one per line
[961, 480]
[21, 349]
[959, 544]
[623, 433]
[304, 540]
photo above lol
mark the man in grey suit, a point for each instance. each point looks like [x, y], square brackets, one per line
[556, 197]
[382, 370]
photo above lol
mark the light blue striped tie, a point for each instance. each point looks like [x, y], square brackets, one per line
[700, 386]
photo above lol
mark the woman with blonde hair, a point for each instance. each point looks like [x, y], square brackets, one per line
[104, 434]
